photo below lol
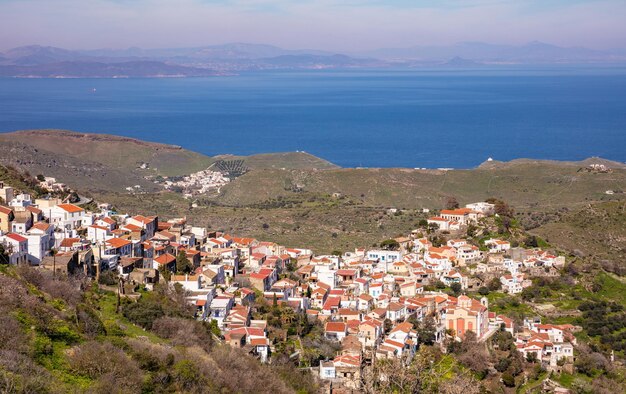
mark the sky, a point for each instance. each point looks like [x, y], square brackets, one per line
[337, 25]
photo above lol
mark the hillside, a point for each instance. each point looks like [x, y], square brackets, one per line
[56, 337]
[298, 199]
[523, 183]
[97, 162]
[595, 233]
[284, 160]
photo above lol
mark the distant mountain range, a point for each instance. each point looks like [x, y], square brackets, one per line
[44, 61]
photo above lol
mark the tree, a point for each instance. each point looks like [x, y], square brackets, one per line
[494, 284]
[483, 290]
[456, 288]
[426, 331]
[390, 244]
[451, 203]
[4, 257]
[423, 223]
[531, 241]
[41, 178]
[473, 354]
[183, 265]
[501, 208]
[508, 379]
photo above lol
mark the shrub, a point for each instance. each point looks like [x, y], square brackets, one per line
[508, 379]
[502, 364]
[184, 332]
[42, 346]
[143, 313]
[107, 364]
[88, 321]
[108, 278]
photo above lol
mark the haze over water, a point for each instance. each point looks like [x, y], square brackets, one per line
[384, 118]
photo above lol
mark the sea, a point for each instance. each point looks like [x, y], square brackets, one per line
[421, 118]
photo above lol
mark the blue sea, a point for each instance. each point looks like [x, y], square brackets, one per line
[354, 118]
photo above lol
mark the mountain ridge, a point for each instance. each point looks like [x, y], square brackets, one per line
[48, 61]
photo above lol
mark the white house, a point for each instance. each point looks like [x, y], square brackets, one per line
[97, 233]
[497, 245]
[21, 200]
[67, 216]
[16, 246]
[384, 257]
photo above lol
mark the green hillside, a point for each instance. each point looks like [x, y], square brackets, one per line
[537, 184]
[57, 338]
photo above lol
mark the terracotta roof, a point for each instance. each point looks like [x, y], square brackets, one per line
[69, 242]
[165, 259]
[117, 242]
[71, 208]
[5, 210]
[259, 341]
[43, 226]
[335, 327]
[33, 209]
[459, 211]
[16, 237]
[132, 227]
[108, 220]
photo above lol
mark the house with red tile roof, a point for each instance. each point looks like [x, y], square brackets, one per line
[118, 246]
[335, 330]
[464, 216]
[67, 216]
[16, 246]
[149, 223]
[166, 260]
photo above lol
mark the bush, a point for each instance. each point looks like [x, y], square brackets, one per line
[143, 313]
[107, 278]
[42, 346]
[88, 321]
[186, 375]
[61, 331]
[502, 364]
[184, 332]
[106, 364]
[508, 379]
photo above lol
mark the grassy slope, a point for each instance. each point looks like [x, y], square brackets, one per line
[308, 220]
[105, 162]
[116, 152]
[291, 160]
[596, 230]
[45, 334]
[530, 185]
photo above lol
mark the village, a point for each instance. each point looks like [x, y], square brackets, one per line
[368, 301]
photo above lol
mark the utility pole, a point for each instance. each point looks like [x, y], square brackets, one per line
[54, 264]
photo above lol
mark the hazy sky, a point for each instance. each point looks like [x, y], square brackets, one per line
[341, 25]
